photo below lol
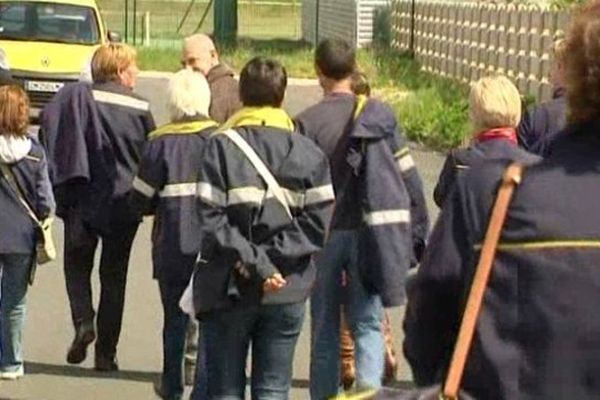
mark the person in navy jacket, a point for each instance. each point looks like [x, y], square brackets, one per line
[24, 172]
[95, 135]
[165, 186]
[538, 332]
[495, 110]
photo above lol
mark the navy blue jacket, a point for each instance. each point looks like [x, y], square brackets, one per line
[538, 334]
[459, 161]
[94, 136]
[17, 230]
[378, 189]
[166, 187]
[541, 124]
[241, 221]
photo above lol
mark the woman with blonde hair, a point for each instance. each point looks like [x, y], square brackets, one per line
[23, 177]
[495, 112]
[538, 331]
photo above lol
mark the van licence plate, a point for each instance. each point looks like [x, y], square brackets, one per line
[43, 86]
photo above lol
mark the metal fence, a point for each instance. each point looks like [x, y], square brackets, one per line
[163, 23]
[351, 20]
[465, 41]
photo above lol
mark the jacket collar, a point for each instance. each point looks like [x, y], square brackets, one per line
[184, 127]
[260, 116]
[372, 119]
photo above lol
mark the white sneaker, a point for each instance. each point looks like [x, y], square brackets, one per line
[12, 375]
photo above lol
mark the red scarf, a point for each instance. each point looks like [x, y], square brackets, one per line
[509, 134]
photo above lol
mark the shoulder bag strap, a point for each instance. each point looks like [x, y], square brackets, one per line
[511, 178]
[14, 186]
[261, 168]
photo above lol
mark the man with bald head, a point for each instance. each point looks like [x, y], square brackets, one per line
[200, 55]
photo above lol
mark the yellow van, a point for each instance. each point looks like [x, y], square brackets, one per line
[49, 42]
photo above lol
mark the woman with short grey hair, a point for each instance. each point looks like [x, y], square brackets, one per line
[166, 187]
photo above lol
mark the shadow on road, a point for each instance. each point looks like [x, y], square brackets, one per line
[34, 368]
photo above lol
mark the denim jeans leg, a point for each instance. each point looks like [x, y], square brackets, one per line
[273, 344]
[325, 305]
[365, 316]
[174, 328]
[15, 277]
[227, 340]
[200, 387]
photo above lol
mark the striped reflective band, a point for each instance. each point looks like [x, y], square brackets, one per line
[405, 163]
[387, 217]
[142, 187]
[179, 190]
[319, 194]
[405, 160]
[211, 194]
[247, 194]
[255, 195]
[120, 100]
[548, 244]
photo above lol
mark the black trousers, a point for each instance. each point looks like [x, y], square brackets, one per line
[80, 246]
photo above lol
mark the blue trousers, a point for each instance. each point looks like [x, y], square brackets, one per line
[364, 313]
[273, 332]
[14, 277]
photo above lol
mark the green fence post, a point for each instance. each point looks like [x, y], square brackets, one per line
[225, 21]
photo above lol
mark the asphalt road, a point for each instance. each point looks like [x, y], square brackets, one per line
[48, 331]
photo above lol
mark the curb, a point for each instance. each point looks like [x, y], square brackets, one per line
[167, 75]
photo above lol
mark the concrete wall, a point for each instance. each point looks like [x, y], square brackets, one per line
[465, 41]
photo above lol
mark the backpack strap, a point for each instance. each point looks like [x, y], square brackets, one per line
[272, 184]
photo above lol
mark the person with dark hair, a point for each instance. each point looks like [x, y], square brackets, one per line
[538, 332]
[265, 202]
[104, 127]
[379, 226]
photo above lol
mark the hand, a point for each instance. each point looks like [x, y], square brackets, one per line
[274, 283]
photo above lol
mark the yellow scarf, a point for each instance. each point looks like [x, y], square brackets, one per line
[181, 128]
[260, 116]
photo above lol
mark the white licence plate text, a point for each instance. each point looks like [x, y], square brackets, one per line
[43, 86]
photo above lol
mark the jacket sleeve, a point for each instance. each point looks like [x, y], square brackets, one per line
[150, 180]
[217, 231]
[306, 235]
[414, 186]
[385, 242]
[435, 296]
[46, 204]
[526, 134]
[445, 181]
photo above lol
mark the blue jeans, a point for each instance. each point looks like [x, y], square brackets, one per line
[364, 314]
[174, 332]
[272, 330]
[14, 272]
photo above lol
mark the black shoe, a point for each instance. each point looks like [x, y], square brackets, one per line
[106, 364]
[84, 335]
[158, 389]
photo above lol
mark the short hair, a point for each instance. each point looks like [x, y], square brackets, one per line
[582, 65]
[335, 58]
[189, 95]
[262, 83]
[494, 102]
[111, 58]
[360, 84]
[14, 111]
